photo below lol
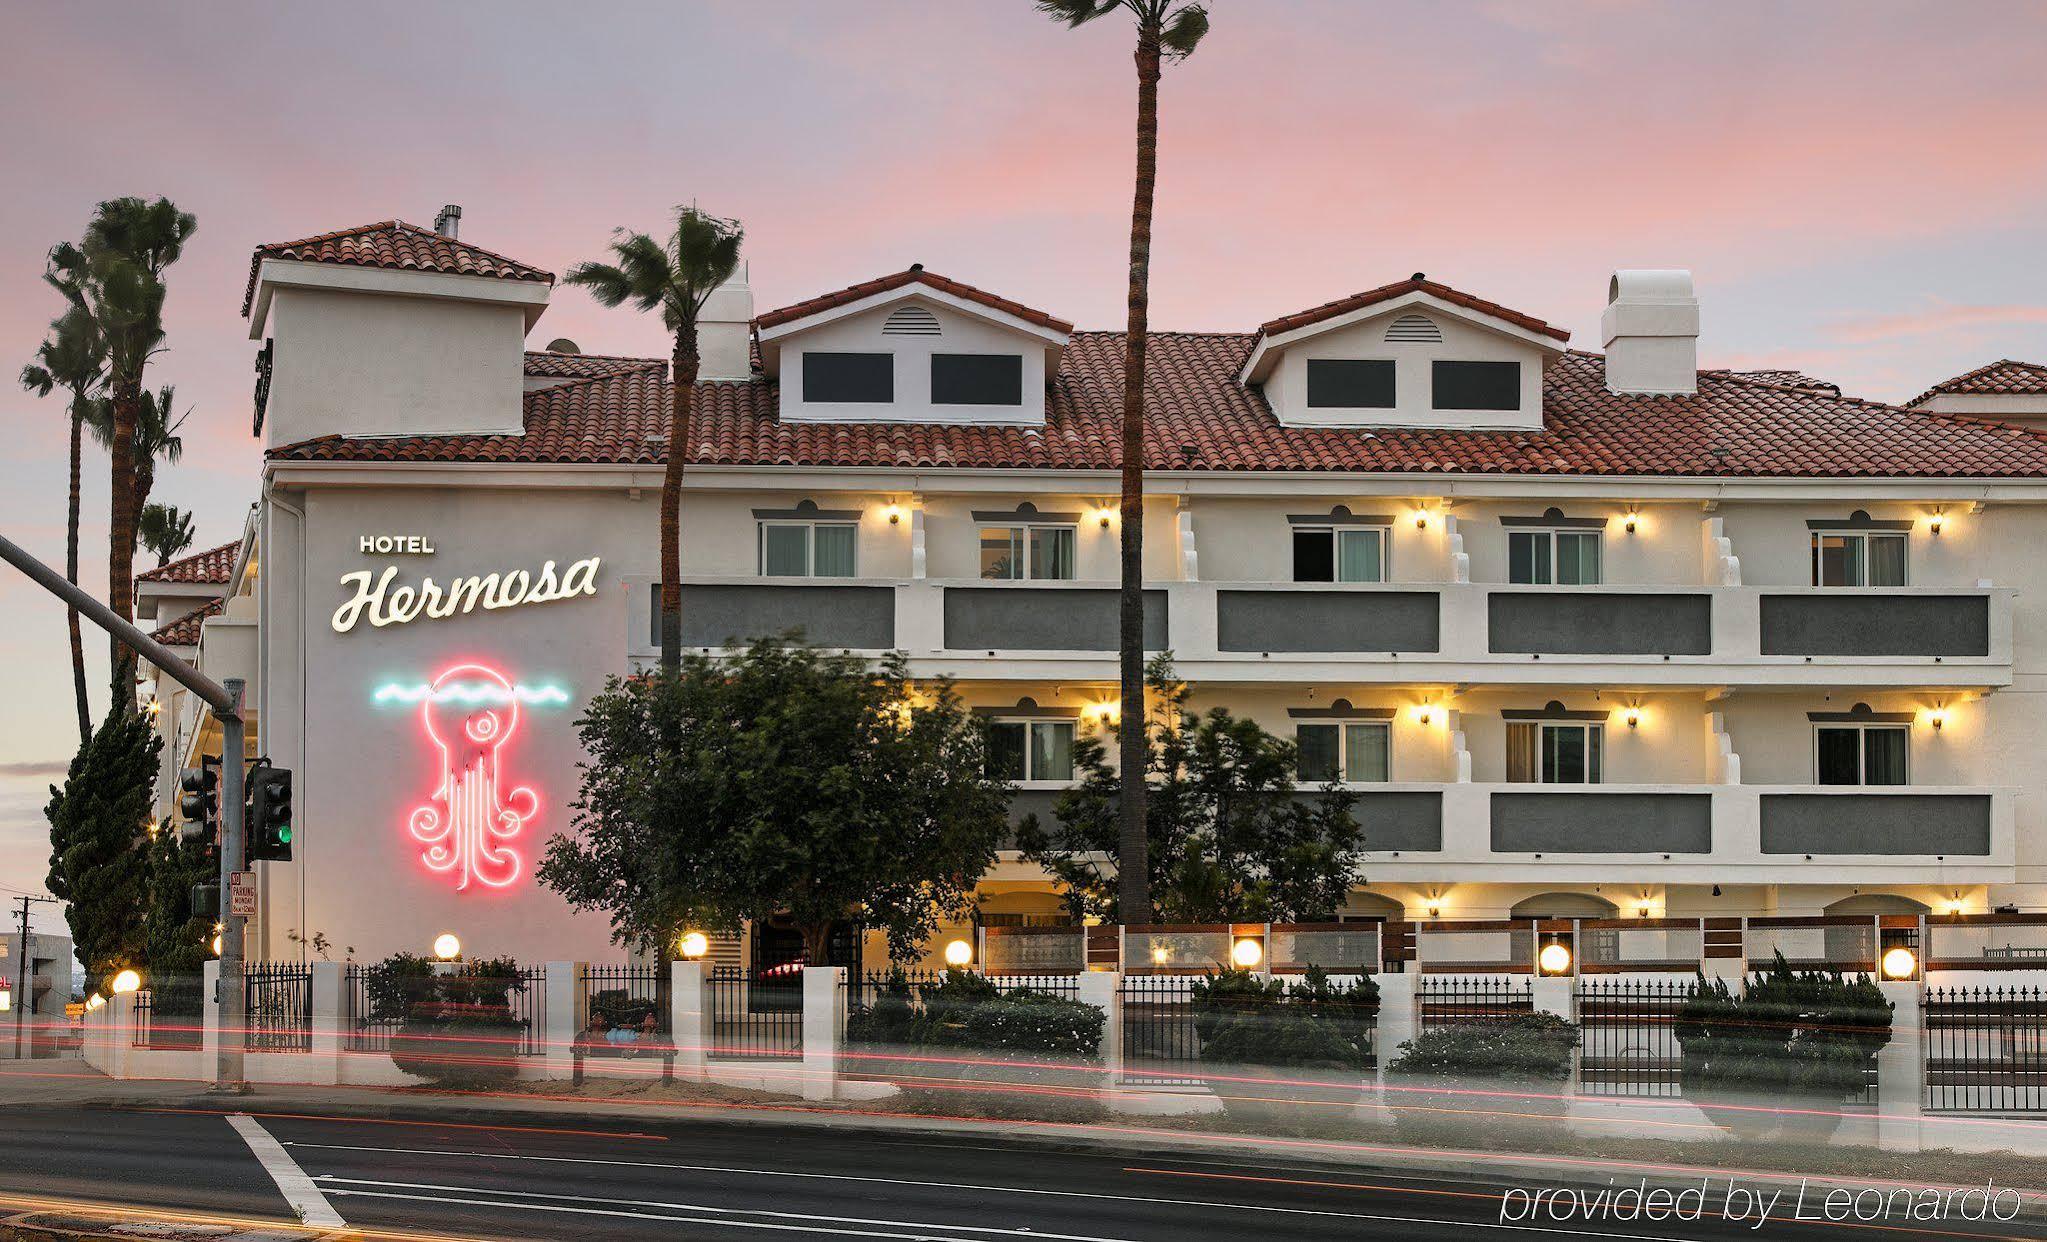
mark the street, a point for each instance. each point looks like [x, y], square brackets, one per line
[410, 1173]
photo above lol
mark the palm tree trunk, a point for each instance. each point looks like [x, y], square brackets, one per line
[1133, 863]
[121, 529]
[71, 576]
[684, 390]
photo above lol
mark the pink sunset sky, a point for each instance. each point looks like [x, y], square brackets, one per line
[1858, 187]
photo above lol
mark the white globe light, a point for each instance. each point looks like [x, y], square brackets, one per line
[695, 945]
[958, 953]
[127, 981]
[1555, 959]
[1247, 953]
[447, 947]
[1900, 963]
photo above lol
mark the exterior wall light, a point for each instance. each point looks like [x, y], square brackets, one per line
[1938, 718]
[958, 953]
[895, 514]
[1102, 516]
[1642, 911]
[1629, 525]
[1421, 519]
[694, 945]
[1633, 716]
[1555, 958]
[1246, 953]
[1900, 963]
[447, 947]
[1435, 911]
[1424, 713]
[1160, 955]
[126, 981]
[1939, 520]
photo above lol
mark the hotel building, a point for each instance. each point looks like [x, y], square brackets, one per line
[1590, 632]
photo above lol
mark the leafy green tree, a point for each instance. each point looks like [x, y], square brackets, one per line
[675, 277]
[99, 860]
[115, 274]
[1166, 30]
[165, 530]
[780, 779]
[1229, 837]
[72, 357]
[176, 940]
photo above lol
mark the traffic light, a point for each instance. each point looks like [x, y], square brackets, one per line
[269, 814]
[206, 900]
[199, 803]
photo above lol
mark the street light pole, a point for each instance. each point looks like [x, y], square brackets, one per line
[226, 702]
[22, 994]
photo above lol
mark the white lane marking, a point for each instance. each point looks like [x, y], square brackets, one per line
[298, 1190]
[1014, 1190]
[723, 1213]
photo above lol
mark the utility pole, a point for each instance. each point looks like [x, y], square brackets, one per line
[226, 702]
[21, 992]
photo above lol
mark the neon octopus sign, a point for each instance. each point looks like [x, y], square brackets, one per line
[469, 712]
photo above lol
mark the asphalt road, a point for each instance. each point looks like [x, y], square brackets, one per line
[413, 1174]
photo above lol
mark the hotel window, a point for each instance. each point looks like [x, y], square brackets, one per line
[1030, 750]
[1350, 383]
[1856, 754]
[1560, 753]
[807, 549]
[1350, 751]
[976, 379]
[856, 378]
[1858, 559]
[1553, 557]
[1476, 385]
[1340, 554]
[1024, 552]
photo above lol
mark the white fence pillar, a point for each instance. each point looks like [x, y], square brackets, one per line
[1552, 994]
[1104, 990]
[118, 1025]
[689, 1017]
[330, 1020]
[1399, 1015]
[562, 1018]
[209, 1037]
[824, 1025]
[1900, 1093]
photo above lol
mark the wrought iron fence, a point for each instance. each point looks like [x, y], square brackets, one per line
[1986, 1049]
[1448, 1000]
[142, 1020]
[1160, 1043]
[624, 994]
[380, 1002]
[1628, 1036]
[756, 1014]
[280, 1006]
[863, 990]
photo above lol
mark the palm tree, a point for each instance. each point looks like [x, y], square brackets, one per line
[156, 439]
[1166, 30]
[677, 277]
[73, 358]
[165, 530]
[115, 274]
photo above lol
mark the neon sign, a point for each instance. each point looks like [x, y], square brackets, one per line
[469, 712]
[382, 604]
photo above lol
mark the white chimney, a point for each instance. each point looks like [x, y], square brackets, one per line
[449, 223]
[1651, 332]
[725, 331]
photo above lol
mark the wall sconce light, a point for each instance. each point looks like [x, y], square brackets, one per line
[1435, 911]
[1939, 519]
[895, 514]
[1629, 525]
[1633, 716]
[1160, 955]
[1421, 519]
[1642, 911]
[1938, 718]
[1425, 713]
[1102, 516]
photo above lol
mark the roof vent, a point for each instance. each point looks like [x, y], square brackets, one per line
[1651, 330]
[1414, 328]
[562, 345]
[910, 321]
[449, 223]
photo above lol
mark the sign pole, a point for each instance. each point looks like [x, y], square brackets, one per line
[234, 993]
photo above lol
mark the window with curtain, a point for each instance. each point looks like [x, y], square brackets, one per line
[807, 549]
[1563, 753]
[1862, 754]
[1845, 559]
[1340, 554]
[1019, 553]
[1030, 750]
[1348, 751]
[1553, 557]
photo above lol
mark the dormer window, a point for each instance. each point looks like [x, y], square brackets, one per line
[1350, 383]
[1476, 385]
[977, 379]
[845, 378]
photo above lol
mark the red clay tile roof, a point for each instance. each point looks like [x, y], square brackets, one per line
[392, 244]
[917, 275]
[211, 566]
[1788, 379]
[1417, 283]
[2005, 376]
[549, 365]
[184, 632]
[1203, 419]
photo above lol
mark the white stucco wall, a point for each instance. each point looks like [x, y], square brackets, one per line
[1287, 389]
[959, 333]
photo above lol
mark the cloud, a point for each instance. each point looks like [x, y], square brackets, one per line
[1940, 320]
[35, 769]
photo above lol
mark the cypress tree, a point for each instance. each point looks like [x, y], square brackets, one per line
[99, 840]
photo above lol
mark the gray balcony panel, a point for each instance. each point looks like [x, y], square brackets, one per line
[829, 616]
[1409, 820]
[1328, 621]
[1599, 623]
[1022, 618]
[1602, 823]
[1876, 625]
[1950, 824]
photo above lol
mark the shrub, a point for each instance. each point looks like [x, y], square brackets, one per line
[1810, 1034]
[1242, 1018]
[1529, 1047]
[455, 1027]
[1283, 1036]
[966, 1011]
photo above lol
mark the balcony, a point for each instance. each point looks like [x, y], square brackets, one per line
[1415, 632]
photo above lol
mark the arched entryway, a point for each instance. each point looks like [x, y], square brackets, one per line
[1564, 906]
